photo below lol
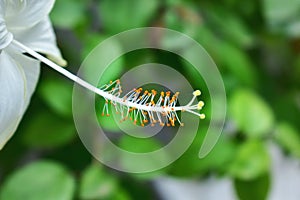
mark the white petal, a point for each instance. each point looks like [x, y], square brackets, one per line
[5, 36]
[40, 38]
[12, 95]
[26, 13]
[2, 8]
[31, 69]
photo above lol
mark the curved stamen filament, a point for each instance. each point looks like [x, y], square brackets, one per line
[135, 104]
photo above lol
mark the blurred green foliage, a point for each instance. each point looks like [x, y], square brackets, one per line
[56, 182]
[256, 46]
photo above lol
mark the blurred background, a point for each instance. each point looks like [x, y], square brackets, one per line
[256, 46]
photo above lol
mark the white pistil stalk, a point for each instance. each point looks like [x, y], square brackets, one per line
[130, 100]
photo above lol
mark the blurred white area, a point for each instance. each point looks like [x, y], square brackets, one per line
[285, 183]
[208, 189]
[285, 176]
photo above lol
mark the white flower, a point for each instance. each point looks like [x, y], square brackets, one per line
[25, 21]
[26, 28]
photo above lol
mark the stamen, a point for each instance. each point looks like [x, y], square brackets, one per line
[202, 116]
[200, 105]
[139, 106]
[146, 109]
[197, 93]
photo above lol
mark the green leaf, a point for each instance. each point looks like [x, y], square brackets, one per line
[187, 23]
[58, 96]
[170, 3]
[68, 13]
[139, 145]
[251, 114]
[259, 188]
[91, 41]
[142, 145]
[293, 28]
[219, 159]
[94, 55]
[126, 14]
[40, 180]
[238, 63]
[121, 195]
[283, 17]
[234, 29]
[278, 11]
[237, 31]
[97, 184]
[288, 137]
[48, 131]
[251, 161]
[234, 59]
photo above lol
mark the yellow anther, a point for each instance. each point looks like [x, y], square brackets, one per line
[139, 90]
[202, 116]
[154, 92]
[197, 93]
[200, 105]
[162, 94]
